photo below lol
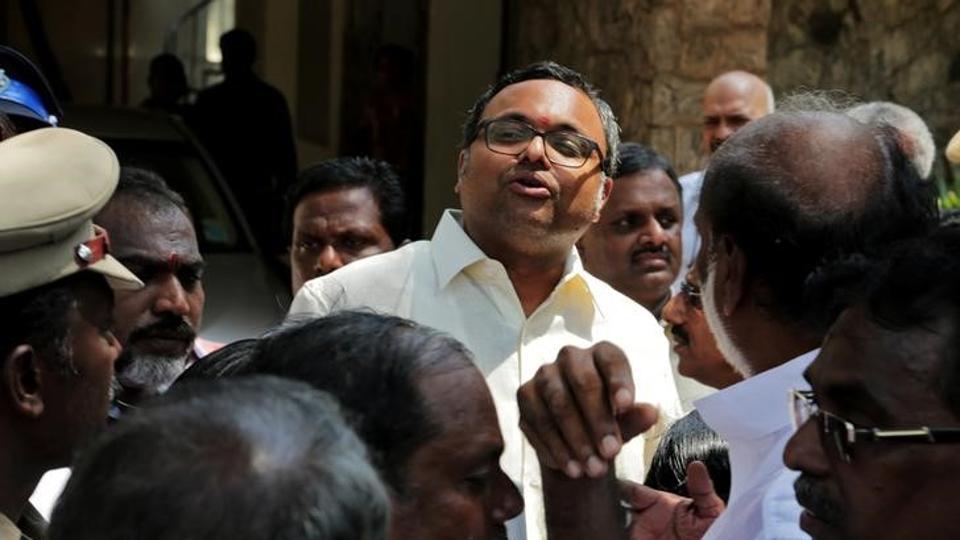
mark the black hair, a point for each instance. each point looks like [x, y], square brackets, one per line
[689, 439]
[149, 188]
[785, 231]
[223, 362]
[40, 317]
[255, 458]
[912, 284]
[371, 364]
[167, 66]
[636, 158]
[550, 71]
[238, 47]
[353, 172]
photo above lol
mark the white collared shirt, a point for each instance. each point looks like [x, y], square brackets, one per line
[448, 283]
[753, 417]
[691, 184]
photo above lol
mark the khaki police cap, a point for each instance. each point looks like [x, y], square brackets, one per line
[52, 182]
[953, 149]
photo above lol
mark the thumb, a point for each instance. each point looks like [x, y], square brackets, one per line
[706, 502]
[636, 419]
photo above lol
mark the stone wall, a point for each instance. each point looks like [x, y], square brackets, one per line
[906, 52]
[651, 58]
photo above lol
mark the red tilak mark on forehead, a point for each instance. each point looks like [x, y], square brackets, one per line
[173, 262]
[543, 120]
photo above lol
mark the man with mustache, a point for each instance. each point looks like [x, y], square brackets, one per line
[502, 275]
[152, 234]
[876, 444]
[56, 349]
[635, 245]
[730, 101]
[784, 194]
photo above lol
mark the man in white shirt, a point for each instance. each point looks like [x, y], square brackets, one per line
[782, 196]
[503, 277]
[730, 101]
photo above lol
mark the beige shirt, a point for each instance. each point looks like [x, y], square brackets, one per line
[448, 283]
[8, 529]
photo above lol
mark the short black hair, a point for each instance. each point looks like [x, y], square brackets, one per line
[353, 172]
[168, 67]
[636, 158]
[238, 46]
[689, 439]
[223, 362]
[910, 284]
[149, 188]
[40, 317]
[750, 194]
[371, 363]
[256, 458]
[547, 70]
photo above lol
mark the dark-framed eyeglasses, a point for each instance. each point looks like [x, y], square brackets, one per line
[691, 293]
[565, 148]
[844, 434]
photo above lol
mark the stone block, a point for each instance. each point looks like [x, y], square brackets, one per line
[718, 15]
[676, 101]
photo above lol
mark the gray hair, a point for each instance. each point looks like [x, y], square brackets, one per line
[919, 144]
[245, 458]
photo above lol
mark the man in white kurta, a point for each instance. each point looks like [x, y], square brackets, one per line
[503, 276]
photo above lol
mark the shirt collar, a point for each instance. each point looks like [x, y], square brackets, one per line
[454, 251]
[758, 405]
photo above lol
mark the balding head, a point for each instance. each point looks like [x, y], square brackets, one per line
[729, 102]
[914, 134]
[792, 190]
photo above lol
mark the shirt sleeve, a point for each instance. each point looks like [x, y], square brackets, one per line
[311, 300]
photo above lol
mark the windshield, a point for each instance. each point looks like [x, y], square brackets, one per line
[218, 228]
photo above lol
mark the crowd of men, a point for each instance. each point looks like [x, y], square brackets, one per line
[512, 376]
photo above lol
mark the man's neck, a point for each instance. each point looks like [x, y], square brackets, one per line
[18, 479]
[770, 344]
[533, 283]
[534, 274]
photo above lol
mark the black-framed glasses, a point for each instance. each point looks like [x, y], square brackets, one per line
[845, 434]
[563, 147]
[692, 293]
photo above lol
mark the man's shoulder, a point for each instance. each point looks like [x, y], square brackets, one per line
[368, 282]
[617, 306]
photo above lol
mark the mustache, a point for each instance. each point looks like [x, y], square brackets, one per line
[715, 144]
[680, 335]
[812, 495]
[661, 249]
[167, 327]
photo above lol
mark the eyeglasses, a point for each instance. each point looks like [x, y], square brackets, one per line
[844, 434]
[692, 293]
[563, 147]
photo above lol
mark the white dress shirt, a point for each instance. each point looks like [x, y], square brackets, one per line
[689, 238]
[753, 417]
[448, 283]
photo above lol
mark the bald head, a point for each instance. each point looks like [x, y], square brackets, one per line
[731, 101]
[792, 190]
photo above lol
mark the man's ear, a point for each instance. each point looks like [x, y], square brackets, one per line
[733, 282]
[462, 160]
[603, 195]
[22, 379]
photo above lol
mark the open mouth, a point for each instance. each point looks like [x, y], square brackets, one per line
[530, 186]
